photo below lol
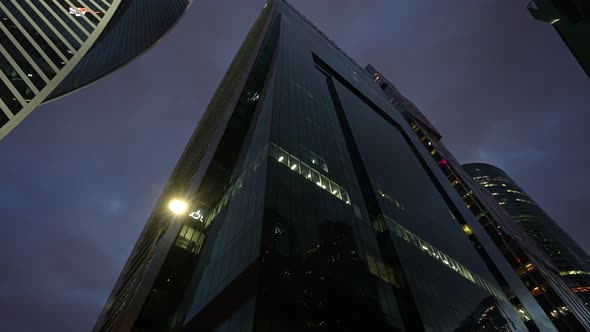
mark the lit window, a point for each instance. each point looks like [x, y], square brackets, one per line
[467, 229]
[190, 239]
[335, 189]
[308, 172]
[313, 158]
[315, 177]
[345, 197]
[523, 313]
[323, 164]
[294, 164]
[305, 170]
[283, 157]
[581, 289]
[538, 290]
[325, 183]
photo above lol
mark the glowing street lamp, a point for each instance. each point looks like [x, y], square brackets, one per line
[177, 206]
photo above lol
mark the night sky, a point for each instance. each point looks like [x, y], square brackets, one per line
[79, 177]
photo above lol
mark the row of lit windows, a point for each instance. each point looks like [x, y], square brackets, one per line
[528, 267]
[581, 289]
[190, 239]
[296, 165]
[573, 272]
[560, 311]
[236, 185]
[486, 182]
[385, 223]
[514, 192]
[524, 201]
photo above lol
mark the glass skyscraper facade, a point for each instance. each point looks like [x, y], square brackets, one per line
[51, 48]
[305, 202]
[527, 260]
[572, 262]
[571, 20]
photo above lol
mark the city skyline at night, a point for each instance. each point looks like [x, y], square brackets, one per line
[110, 148]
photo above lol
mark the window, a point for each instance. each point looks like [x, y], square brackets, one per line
[467, 229]
[307, 171]
[190, 239]
[294, 164]
[283, 157]
[335, 189]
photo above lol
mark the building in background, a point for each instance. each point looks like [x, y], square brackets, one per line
[571, 20]
[51, 48]
[528, 261]
[304, 201]
[571, 260]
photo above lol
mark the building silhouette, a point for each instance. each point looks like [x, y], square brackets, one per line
[50, 48]
[530, 263]
[571, 261]
[304, 201]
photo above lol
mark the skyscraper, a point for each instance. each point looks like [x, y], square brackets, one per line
[530, 263]
[571, 260]
[571, 20]
[51, 48]
[304, 202]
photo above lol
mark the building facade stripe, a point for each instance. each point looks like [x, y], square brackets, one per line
[24, 53]
[99, 7]
[31, 41]
[5, 109]
[92, 12]
[84, 17]
[58, 34]
[28, 37]
[62, 9]
[19, 70]
[41, 32]
[12, 88]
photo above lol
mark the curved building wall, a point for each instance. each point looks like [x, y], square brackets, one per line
[571, 260]
[50, 48]
[136, 26]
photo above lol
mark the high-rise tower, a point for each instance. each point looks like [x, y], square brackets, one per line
[530, 263]
[571, 260]
[51, 48]
[571, 20]
[304, 202]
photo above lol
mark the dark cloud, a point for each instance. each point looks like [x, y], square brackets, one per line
[80, 176]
